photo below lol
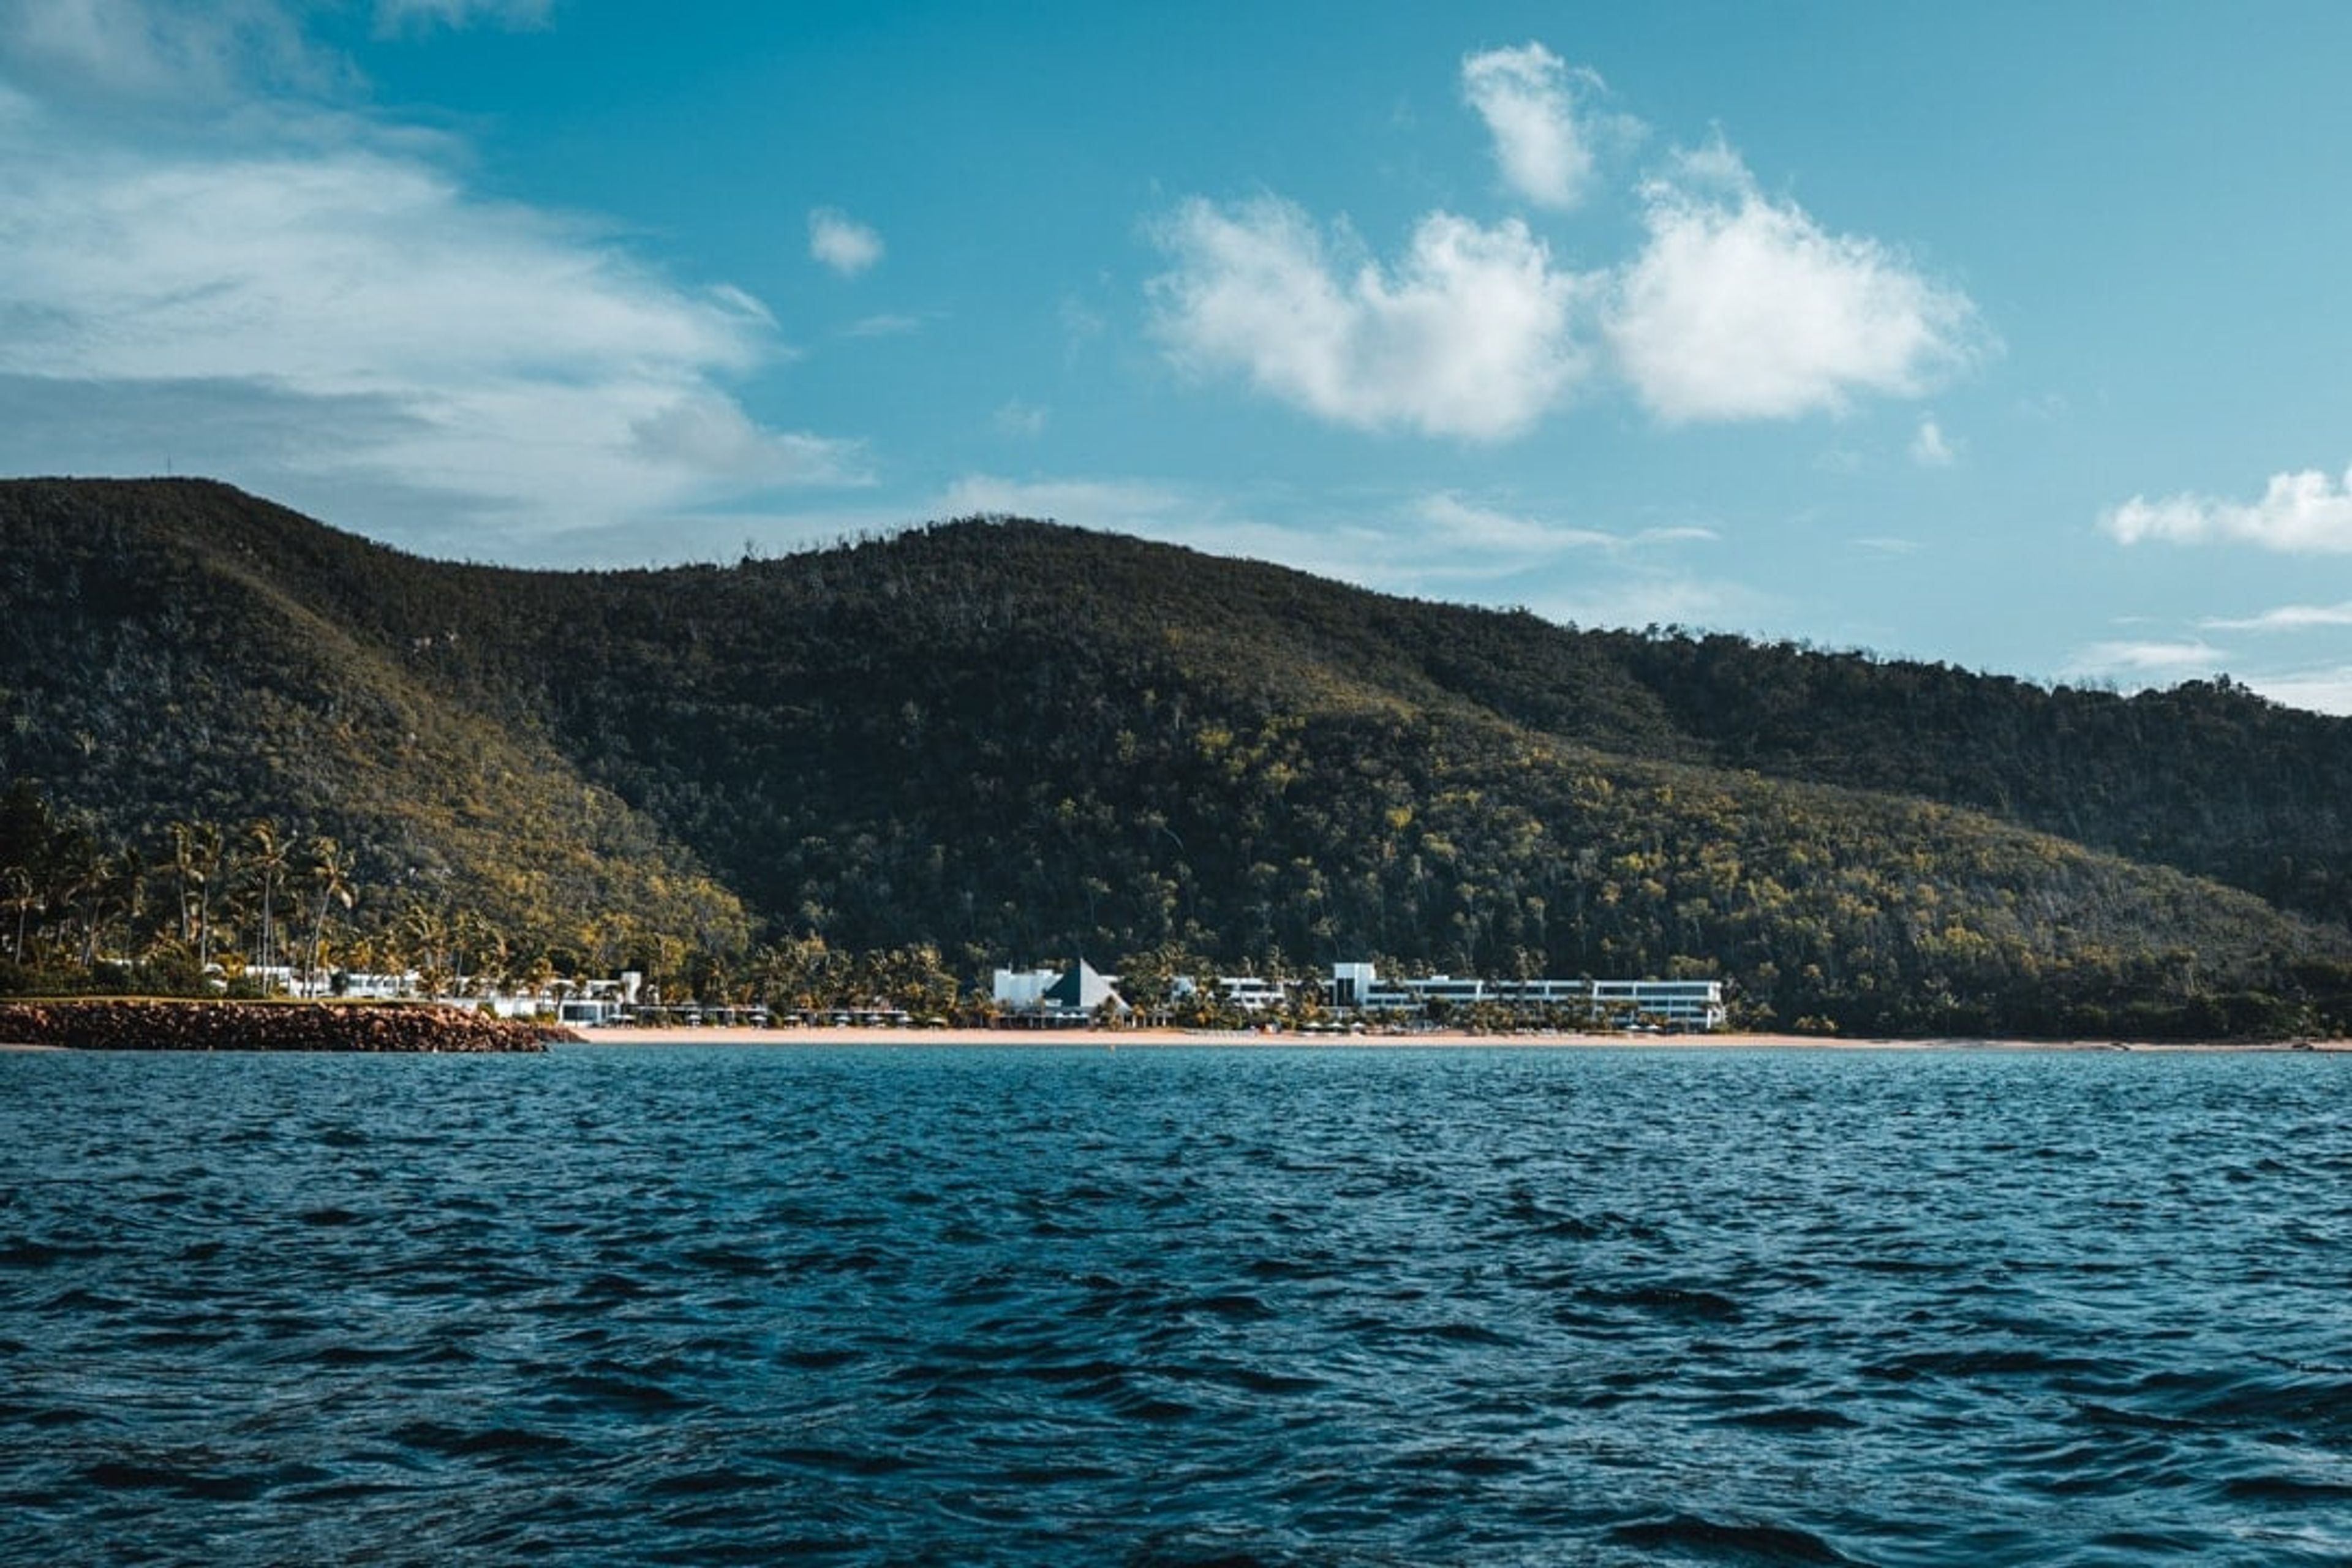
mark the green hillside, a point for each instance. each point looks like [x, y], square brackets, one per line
[1013, 741]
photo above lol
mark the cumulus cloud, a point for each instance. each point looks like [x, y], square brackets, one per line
[2303, 513]
[1468, 335]
[1741, 307]
[1524, 96]
[842, 243]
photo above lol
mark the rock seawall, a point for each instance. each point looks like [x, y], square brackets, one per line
[160, 1024]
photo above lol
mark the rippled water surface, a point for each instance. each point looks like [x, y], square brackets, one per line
[1048, 1305]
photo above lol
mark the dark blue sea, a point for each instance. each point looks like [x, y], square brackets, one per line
[968, 1306]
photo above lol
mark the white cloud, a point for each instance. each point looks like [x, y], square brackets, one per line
[1468, 336]
[1433, 546]
[1022, 419]
[2285, 619]
[842, 243]
[370, 330]
[1653, 600]
[2323, 691]
[887, 326]
[1523, 95]
[1126, 506]
[2129, 661]
[1888, 544]
[1930, 449]
[1743, 307]
[1504, 537]
[1483, 529]
[704, 433]
[405, 16]
[2299, 513]
[168, 51]
[2326, 689]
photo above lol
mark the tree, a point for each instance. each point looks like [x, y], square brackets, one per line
[198, 849]
[23, 894]
[268, 864]
[328, 871]
[210, 858]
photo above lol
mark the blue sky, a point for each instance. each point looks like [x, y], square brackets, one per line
[2012, 335]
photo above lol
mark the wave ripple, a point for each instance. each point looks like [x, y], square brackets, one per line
[616, 1306]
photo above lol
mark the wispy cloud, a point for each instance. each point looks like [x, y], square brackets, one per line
[887, 326]
[364, 324]
[2285, 619]
[1653, 599]
[1930, 448]
[1026, 420]
[706, 434]
[2327, 689]
[1467, 335]
[178, 53]
[1435, 546]
[2145, 659]
[1741, 307]
[842, 243]
[1512, 542]
[1527, 97]
[418, 16]
[2298, 513]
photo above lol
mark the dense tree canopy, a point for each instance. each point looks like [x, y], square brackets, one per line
[995, 740]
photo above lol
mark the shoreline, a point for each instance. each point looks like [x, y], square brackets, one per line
[1162, 1039]
[435, 1029]
[213, 1023]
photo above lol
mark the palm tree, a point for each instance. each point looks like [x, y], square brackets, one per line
[424, 936]
[329, 871]
[207, 850]
[76, 864]
[182, 837]
[116, 892]
[22, 893]
[197, 848]
[268, 863]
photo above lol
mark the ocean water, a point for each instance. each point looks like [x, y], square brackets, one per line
[1184, 1306]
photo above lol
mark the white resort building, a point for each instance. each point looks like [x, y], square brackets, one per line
[1056, 998]
[1075, 996]
[1695, 1004]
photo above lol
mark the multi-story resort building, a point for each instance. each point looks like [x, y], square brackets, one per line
[1075, 995]
[1668, 1003]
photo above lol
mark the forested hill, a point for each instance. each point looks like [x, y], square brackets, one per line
[1016, 741]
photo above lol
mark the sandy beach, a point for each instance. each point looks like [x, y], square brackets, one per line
[1148, 1040]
